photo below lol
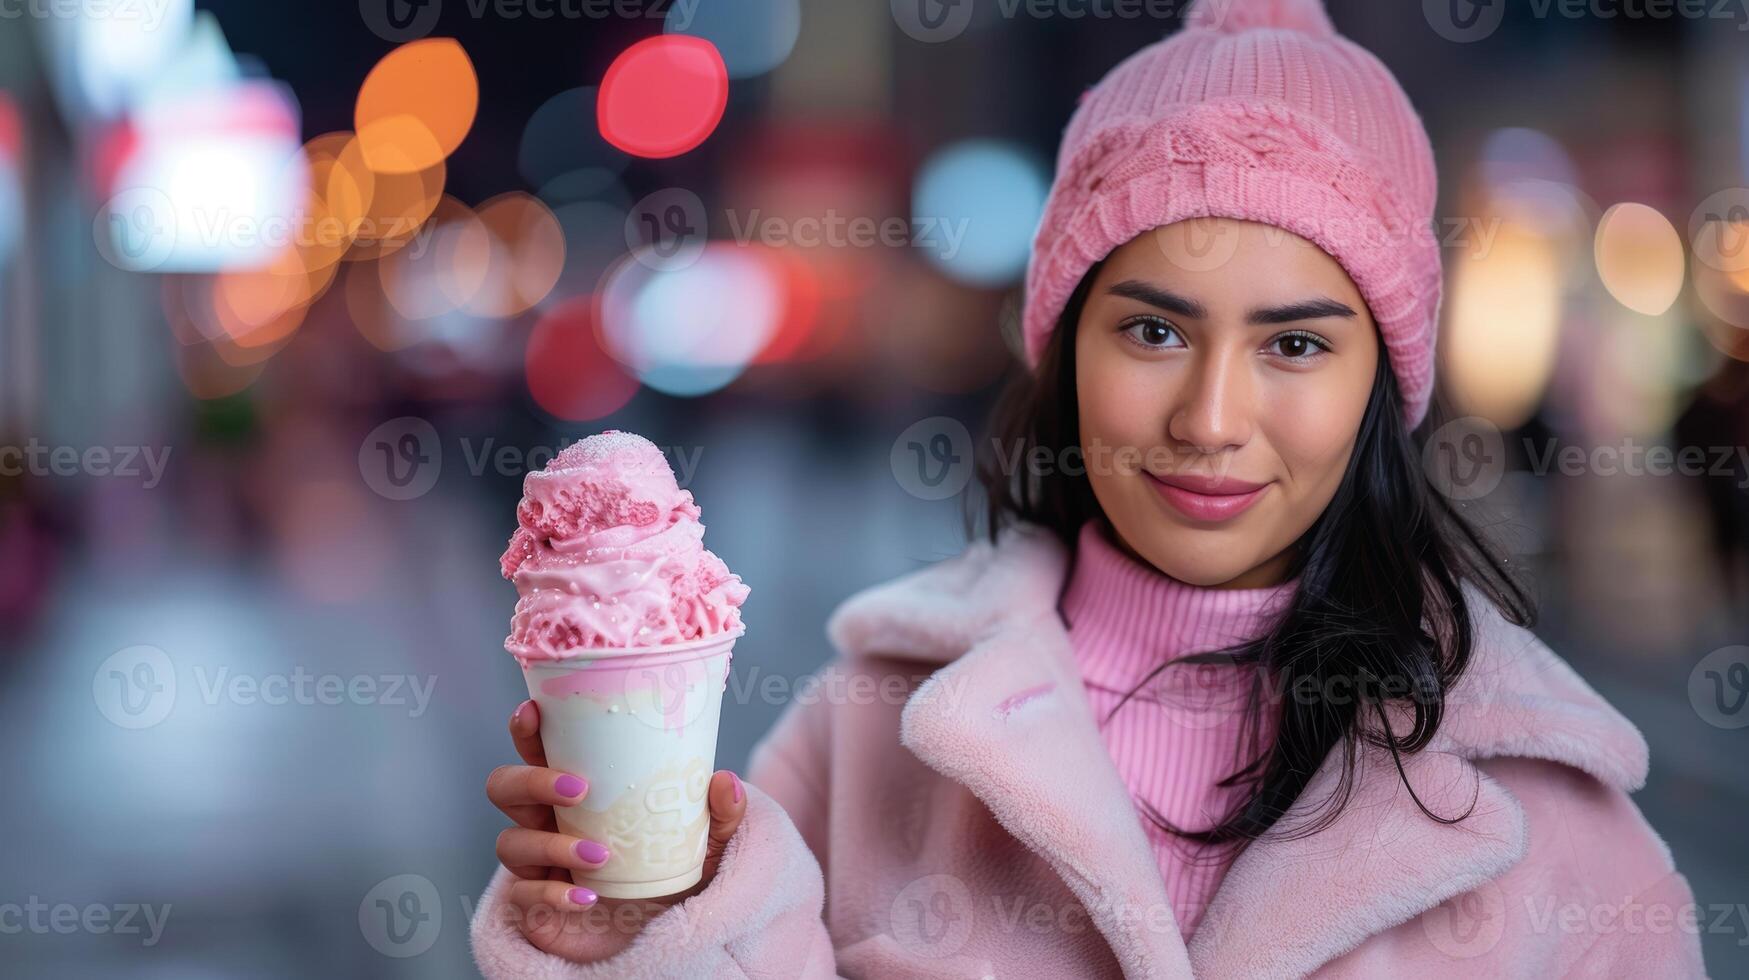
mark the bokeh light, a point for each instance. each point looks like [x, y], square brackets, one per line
[193, 313]
[801, 292]
[264, 305]
[753, 36]
[116, 57]
[1516, 153]
[416, 106]
[1724, 310]
[1504, 317]
[568, 374]
[974, 210]
[203, 184]
[526, 255]
[562, 153]
[399, 207]
[693, 329]
[1639, 258]
[663, 96]
[445, 270]
[203, 62]
[340, 194]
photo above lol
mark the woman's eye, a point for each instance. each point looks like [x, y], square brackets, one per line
[1298, 346]
[1152, 332]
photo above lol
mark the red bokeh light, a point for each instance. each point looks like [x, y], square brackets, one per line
[663, 96]
[569, 375]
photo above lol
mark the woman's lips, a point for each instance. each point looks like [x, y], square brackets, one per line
[1210, 500]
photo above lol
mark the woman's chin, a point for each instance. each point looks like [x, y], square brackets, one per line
[1199, 564]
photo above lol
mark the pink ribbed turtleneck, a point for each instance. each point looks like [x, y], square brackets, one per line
[1182, 733]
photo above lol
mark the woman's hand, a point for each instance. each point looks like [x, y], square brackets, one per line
[552, 913]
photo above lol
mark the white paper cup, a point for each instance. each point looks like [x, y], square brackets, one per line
[640, 723]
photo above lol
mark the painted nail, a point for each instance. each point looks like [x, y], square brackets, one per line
[591, 852]
[581, 896]
[736, 780]
[569, 786]
[517, 716]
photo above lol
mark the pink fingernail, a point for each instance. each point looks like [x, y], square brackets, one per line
[521, 709]
[581, 896]
[590, 851]
[737, 781]
[569, 786]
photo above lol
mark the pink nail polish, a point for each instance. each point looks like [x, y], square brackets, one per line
[590, 851]
[737, 781]
[569, 786]
[516, 716]
[581, 896]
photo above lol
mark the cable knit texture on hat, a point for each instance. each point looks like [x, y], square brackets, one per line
[1255, 110]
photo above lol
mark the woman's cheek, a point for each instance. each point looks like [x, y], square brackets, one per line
[1313, 433]
[1120, 405]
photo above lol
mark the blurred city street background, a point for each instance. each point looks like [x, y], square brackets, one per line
[292, 295]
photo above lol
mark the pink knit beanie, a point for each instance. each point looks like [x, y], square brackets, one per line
[1256, 110]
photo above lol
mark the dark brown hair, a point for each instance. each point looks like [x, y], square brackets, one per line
[1380, 613]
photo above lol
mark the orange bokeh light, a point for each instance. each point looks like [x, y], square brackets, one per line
[527, 255]
[341, 189]
[416, 106]
[399, 207]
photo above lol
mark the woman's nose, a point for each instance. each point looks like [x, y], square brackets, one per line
[1214, 408]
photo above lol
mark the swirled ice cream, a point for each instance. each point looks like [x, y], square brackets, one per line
[609, 552]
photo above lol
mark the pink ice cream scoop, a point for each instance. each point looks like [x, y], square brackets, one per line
[609, 553]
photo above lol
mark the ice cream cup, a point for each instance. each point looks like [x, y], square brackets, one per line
[640, 723]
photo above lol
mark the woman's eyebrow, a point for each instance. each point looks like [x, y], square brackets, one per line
[1306, 309]
[1165, 299]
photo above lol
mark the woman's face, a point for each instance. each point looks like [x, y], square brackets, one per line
[1222, 368]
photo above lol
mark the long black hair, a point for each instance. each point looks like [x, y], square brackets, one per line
[1380, 616]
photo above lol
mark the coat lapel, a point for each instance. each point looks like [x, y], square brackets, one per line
[1287, 906]
[1009, 720]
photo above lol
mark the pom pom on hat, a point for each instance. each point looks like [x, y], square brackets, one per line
[1231, 16]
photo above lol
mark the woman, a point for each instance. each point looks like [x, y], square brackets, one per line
[1230, 691]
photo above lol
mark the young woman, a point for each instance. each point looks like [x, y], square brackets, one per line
[1230, 691]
